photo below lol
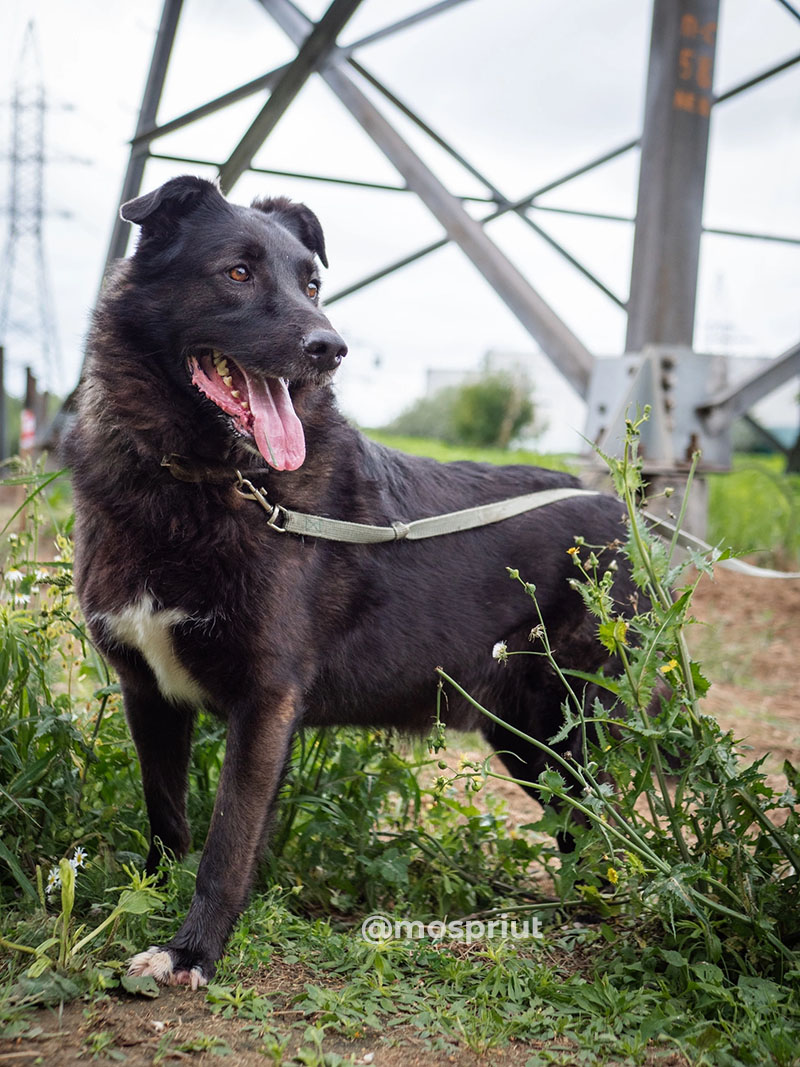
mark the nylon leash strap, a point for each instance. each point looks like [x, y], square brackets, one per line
[284, 520]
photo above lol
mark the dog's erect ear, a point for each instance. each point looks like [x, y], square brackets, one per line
[299, 220]
[157, 212]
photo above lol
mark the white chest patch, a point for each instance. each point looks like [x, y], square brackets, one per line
[149, 631]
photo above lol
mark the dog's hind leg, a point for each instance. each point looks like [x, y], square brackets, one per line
[162, 732]
[539, 713]
[525, 762]
[533, 704]
[258, 740]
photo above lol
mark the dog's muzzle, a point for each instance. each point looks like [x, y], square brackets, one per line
[325, 348]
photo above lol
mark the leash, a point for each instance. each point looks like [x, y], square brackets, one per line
[687, 540]
[285, 520]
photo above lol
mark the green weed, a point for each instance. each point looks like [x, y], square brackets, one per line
[756, 509]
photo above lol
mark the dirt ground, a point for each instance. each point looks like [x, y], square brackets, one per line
[748, 640]
[747, 637]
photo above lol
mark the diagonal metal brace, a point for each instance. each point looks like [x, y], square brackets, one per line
[319, 43]
[556, 339]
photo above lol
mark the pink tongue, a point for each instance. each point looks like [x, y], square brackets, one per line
[276, 427]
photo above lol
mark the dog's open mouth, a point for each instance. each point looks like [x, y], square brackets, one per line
[260, 408]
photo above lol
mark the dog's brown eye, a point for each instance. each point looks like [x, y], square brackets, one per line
[239, 273]
[312, 290]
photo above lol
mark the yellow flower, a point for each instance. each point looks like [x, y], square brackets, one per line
[612, 875]
[667, 667]
[572, 551]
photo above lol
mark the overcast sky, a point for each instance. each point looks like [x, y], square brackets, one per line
[525, 89]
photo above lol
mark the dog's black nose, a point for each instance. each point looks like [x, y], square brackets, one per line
[325, 347]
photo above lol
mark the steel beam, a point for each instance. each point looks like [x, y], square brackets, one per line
[756, 79]
[790, 8]
[574, 262]
[672, 175]
[497, 196]
[170, 13]
[257, 85]
[522, 203]
[404, 109]
[775, 444]
[403, 24]
[382, 187]
[750, 236]
[555, 338]
[270, 79]
[312, 53]
[727, 405]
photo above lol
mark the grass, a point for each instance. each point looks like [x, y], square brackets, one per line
[674, 927]
[444, 453]
[756, 510]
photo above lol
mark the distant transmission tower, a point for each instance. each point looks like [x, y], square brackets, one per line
[27, 324]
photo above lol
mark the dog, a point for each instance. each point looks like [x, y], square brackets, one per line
[209, 347]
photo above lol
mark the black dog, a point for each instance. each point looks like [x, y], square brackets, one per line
[209, 346]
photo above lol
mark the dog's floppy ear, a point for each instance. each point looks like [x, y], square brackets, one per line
[157, 212]
[297, 219]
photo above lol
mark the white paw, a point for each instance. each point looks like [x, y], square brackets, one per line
[157, 963]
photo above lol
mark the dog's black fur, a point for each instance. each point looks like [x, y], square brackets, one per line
[274, 631]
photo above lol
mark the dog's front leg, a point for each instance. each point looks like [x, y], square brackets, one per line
[162, 732]
[258, 742]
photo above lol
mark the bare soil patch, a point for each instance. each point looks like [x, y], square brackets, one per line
[748, 641]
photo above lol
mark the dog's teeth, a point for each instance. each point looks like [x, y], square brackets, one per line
[227, 379]
[235, 394]
[245, 406]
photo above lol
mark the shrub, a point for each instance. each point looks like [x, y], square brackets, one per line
[492, 412]
[489, 413]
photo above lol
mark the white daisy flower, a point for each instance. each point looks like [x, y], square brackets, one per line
[53, 880]
[14, 576]
[79, 857]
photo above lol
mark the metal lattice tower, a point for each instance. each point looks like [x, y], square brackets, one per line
[27, 323]
[692, 401]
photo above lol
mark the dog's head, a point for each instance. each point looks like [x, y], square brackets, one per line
[231, 301]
